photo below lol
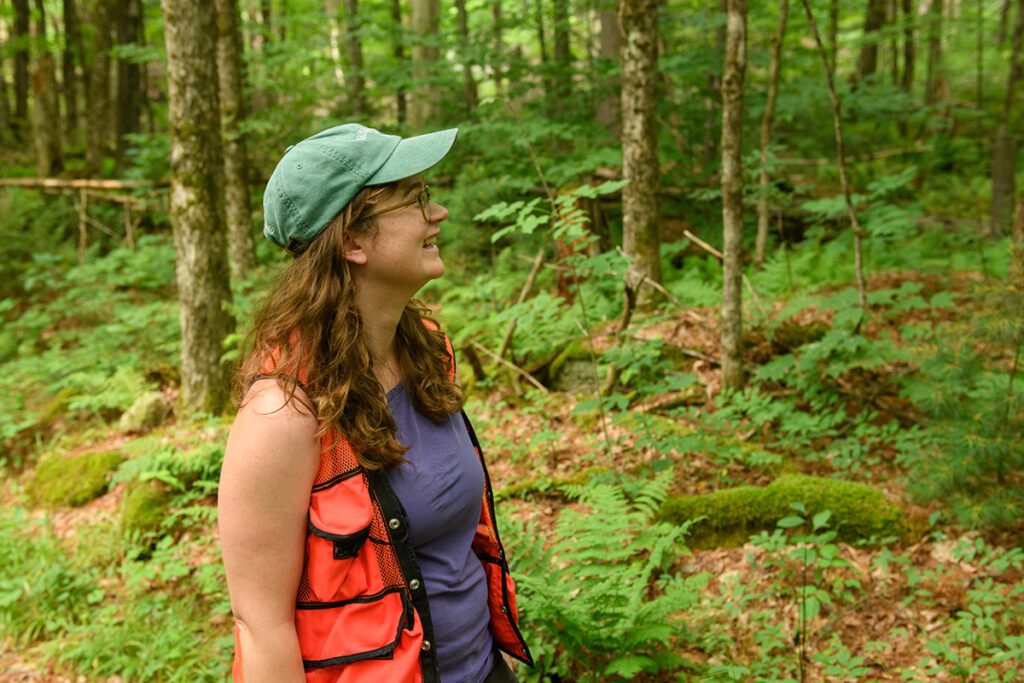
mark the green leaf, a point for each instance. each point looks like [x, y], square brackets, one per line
[790, 522]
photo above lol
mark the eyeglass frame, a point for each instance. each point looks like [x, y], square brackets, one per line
[419, 199]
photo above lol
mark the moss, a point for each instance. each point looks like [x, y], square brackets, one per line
[57, 405]
[74, 481]
[144, 507]
[732, 515]
[548, 485]
[574, 351]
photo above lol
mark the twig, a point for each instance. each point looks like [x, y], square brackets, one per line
[714, 252]
[527, 286]
[81, 183]
[523, 373]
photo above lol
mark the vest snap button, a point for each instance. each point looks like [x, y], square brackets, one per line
[426, 646]
[503, 610]
[394, 523]
[414, 584]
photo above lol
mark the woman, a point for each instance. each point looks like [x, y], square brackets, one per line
[356, 517]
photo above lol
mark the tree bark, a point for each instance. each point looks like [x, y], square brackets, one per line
[21, 40]
[233, 110]
[401, 100]
[713, 101]
[354, 49]
[641, 230]
[262, 31]
[197, 214]
[545, 64]
[909, 51]
[334, 22]
[129, 78]
[732, 195]
[874, 20]
[608, 106]
[1005, 148]
[893, 17]
[98, 126]
[937, 89]
[425, 21]
[46, 126]
[763, 207]
[70, 62]
[1004, 19]
[5, 102]
[563, 55]
[469, 81]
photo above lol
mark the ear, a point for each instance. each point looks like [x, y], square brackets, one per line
[353, 250]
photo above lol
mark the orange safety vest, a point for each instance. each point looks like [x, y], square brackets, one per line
[361, 612]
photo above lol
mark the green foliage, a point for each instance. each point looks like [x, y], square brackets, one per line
[601, 602]
[60, 480]
[729, 516]
[144, 508]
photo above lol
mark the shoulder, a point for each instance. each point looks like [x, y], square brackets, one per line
[275, 430]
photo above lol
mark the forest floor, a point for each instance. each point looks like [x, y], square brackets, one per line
[885, 613]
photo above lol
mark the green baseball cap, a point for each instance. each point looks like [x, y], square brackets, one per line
[318, 177]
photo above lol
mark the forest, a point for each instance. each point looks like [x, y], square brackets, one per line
[736, 292]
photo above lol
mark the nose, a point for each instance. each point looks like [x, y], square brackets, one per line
[437, 212]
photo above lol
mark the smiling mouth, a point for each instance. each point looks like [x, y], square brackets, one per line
[428, 243]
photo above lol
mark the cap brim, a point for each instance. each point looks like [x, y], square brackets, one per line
[414, 155]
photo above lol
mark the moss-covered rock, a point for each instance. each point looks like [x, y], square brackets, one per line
[146, 413]
[573, 371]
[60, 480]
[732, 515]
[144, 507]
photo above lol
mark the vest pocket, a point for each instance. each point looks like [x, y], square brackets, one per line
[339, 561]
[360, 629]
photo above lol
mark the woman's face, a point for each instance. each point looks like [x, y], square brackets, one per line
[402, 253]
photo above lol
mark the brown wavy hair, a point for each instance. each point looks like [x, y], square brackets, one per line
[308, 333]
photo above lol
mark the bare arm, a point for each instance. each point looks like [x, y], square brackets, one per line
[270, 464]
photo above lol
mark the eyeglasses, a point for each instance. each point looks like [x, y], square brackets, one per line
[422, 198]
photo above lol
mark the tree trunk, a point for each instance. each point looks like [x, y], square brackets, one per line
[46, 125]
[763, 214]
[467, 58]
[909, 51]
[833, 35]
[262, 31]
[354, 49]
[498, 47]
[1004, 19]
[1005, 149]
[70, 62]
[423, 106]
[608, 105]
[1017, 246]
[545, 65]
[874, 20]
[401, 101]
[98, 127]
[893, 17]
[129, 77]
[937, 89]
[334, 22]
[21, 40]
[197, 214]
[641, 230]
[5, 102]
[233, 110]
[563, 55]
[732, 195]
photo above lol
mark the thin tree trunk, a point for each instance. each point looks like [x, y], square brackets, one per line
[467, 58]
[5, 102]
[233, 110]
[563, 54]
[640, 225]
[1017, 246]
[354, 48]
[833, 35]
[763, 208]
[262, 32]
[197, 213]
[129, 77]
[609, 105]
[21, 39]
[98, 127]
[893, 17]
[545, 62]
[1004, 19]
[979, 72]
[498, 47]
[732, 195]
[909, 51]
[46, 126]
[1005, 148]
[401, 100]
[334, 21]
[70, 61]
[937, 89]
[874, 20]
[837, 124]
[425, 22]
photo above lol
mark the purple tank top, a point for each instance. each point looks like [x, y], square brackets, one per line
[441, 488]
